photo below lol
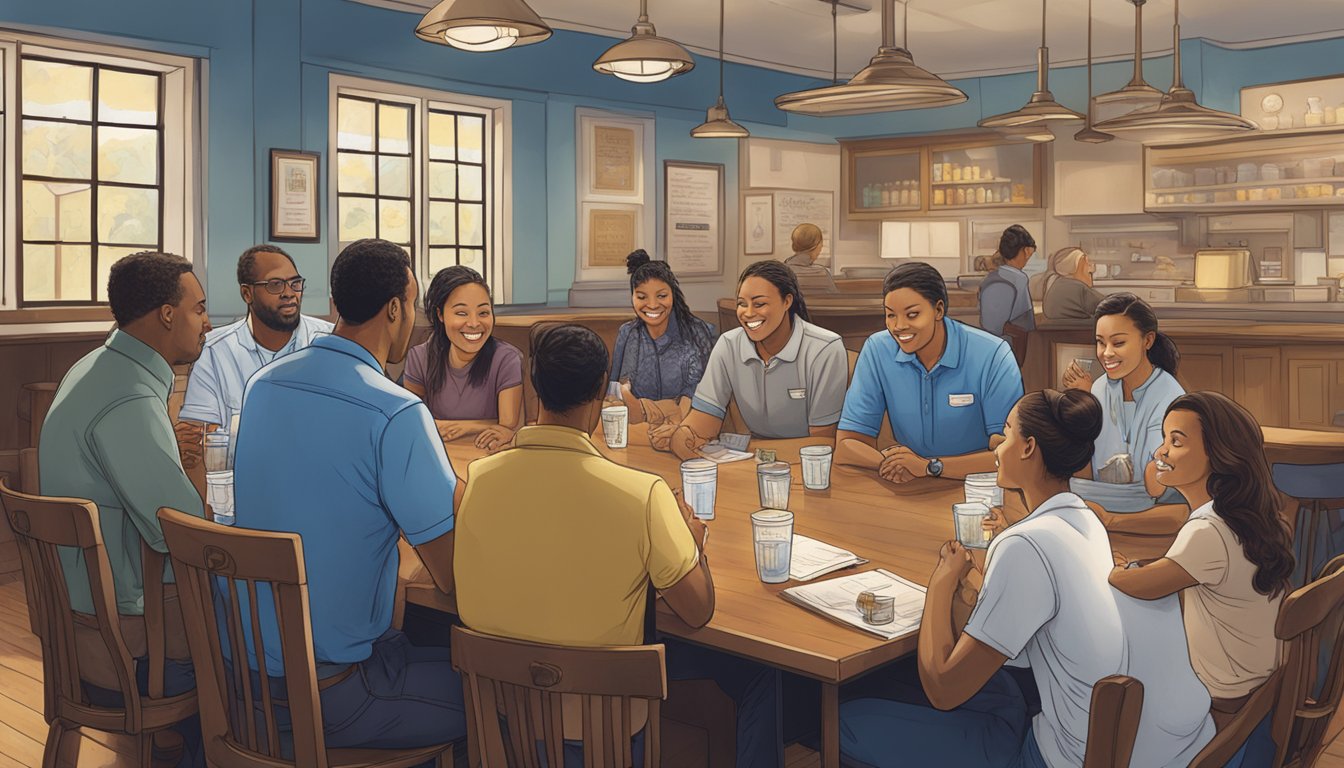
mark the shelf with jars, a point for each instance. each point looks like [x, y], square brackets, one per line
[1301, 170]
[929, 175]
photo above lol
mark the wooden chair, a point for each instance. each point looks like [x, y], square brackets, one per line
[525, 682]
[236, 733]
[1309, 623]
[1113, 722]
[41, 525]
[1318, 489]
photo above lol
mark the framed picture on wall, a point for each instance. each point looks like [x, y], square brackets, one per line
[612, 159]
[608, 233]
[758, 225]
[693, 217]
[294, 185]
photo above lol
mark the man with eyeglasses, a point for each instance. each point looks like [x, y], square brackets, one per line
[272, 288]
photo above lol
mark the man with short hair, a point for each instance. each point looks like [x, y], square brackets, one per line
[331, 449]
[272, 288]
[561, 545]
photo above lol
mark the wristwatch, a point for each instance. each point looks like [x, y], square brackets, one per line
[935, 468]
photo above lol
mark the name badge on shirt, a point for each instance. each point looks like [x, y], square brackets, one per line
[798, 394]
[960, 401]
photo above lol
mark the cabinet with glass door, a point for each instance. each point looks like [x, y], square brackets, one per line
[884, 181]
[986, 174]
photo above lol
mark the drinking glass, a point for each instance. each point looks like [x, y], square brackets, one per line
[816, 460]
[219, 494]
[773, 480]
[772, 533]
[216, 451]
[615, 420]
[984, 488]
[970, 519]
[699, 482]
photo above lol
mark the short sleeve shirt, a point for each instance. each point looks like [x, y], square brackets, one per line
[801, 387]
[457, 398]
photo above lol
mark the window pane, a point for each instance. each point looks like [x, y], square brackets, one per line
[73, 268]
[442, 223]
[394, 176]
[354, 124]
[127, 97]
[469, 138]
[468, 257]
[442, 137]
[469, 224]
[129, 216]
[57, 149]
[39, 212]
[39, 272]
[394, 220]
[442, 180]
[44, 202]
[106, 258]
[354, 173]
[469, 182]
[52, 89]
[440, 258]
[394, 129]
[356, 219]
[130, 155]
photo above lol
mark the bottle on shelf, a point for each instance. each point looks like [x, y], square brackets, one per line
[904, 194]
[914, 193]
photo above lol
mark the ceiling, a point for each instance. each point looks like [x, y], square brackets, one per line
[954, 38]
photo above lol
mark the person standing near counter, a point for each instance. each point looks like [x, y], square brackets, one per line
[946, 388]
[812, 277]
[1069, 294]
[1005, 295]
[786, 375]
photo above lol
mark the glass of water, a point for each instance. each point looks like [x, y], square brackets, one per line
[970, 519]
[816, 461]
[219, 494]
[699, 483]
[773, 480]
[217, 451]
[615, 421]
[772, 533]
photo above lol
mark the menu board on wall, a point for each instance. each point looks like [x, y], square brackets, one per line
[613, 159]
[693, 217]
[799, 207]
[611, 235]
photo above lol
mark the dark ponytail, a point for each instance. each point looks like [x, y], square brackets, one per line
[1163, 353]
[1013, 240]
[780, 275]
[642, 269]
[446, 281]
[1065, 425]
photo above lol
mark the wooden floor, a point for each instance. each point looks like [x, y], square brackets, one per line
[23, 731]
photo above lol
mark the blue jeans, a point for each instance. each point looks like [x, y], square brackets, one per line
[1030, 756]
[901, 727]
[754, 688]
[178, 677]
[1259, 749]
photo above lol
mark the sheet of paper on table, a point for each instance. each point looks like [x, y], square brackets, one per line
[727, 447]
[835, 598]
[812, 558]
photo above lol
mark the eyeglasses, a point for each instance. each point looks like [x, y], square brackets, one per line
[276, 286]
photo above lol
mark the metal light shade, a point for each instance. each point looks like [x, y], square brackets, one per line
[482, 25]
[718, 125]
[891, 81]
[1038, 133]
[645, 57]
[1137, 93]
[1088, 134]
[1091, 135]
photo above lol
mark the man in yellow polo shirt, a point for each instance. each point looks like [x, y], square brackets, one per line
[557, 544]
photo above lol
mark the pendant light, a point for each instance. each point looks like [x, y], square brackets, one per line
[1179, 116]
[645, 57]
[891, 81]
[1088, 133]
[1138, 93]
[1041, 107]
[718, 125]
[482, 25]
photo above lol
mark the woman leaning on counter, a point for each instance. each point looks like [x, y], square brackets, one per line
[1069, 294]
[786, 375]
[945, 387]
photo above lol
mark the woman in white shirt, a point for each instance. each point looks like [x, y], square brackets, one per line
[1232, 559]
[1046, 602]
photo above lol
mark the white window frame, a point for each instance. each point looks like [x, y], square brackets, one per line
[183, 142]
[498, 151]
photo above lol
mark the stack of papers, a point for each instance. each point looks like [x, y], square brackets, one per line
[835, 600]
[812, 558]
[728, 447]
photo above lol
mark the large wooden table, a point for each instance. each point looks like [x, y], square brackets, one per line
[899, 528]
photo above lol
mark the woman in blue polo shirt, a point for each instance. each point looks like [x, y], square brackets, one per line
[945, 387]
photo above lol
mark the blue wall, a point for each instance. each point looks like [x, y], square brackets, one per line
[266, 86]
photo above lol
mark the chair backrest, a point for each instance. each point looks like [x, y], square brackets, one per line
[525, 682]
[1113, 722]
[1309, 623]
[215, 566]
[41, 525]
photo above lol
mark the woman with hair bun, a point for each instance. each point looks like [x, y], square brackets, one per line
[660, 355]
[1069, 294]
[1045, 601]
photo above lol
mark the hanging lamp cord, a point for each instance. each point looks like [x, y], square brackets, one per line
[835, 44]
[721, 4]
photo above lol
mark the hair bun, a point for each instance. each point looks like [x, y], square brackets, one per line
[1080, 415]
[635, 260]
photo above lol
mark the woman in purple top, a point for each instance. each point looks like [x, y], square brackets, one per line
[471, 381]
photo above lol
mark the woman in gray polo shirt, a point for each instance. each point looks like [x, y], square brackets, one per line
[786, 375]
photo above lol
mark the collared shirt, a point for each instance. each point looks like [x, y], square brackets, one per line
[231, 356]
[558, 544]
[801, 387]
[1005, 297]
[1046, 595]
[959, 404]
[666, 367]
[332, 450]
[108, 439]
[812, 277]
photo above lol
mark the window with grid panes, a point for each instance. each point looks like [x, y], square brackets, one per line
[375, 183]
[457, 182]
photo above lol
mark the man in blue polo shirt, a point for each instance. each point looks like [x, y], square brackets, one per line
[331, 449]
[945, 387]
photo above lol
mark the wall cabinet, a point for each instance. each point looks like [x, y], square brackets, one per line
[1315, 388]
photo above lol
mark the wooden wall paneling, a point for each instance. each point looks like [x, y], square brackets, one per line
[1309, 392]
[1258, 383]
[1206, 368]
[19, 365]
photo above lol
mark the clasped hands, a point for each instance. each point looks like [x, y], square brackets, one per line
[901, 465]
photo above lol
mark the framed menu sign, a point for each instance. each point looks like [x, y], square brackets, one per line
[610, 232]
[294, 182]
[613, 159]
[693, 217]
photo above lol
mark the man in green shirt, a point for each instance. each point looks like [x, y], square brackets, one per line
[108, 438]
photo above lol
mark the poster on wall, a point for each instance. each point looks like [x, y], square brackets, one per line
[758, 225]
[798, 207]
[294, 213]
[611, 164]
[693, 217]
[610, 234]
